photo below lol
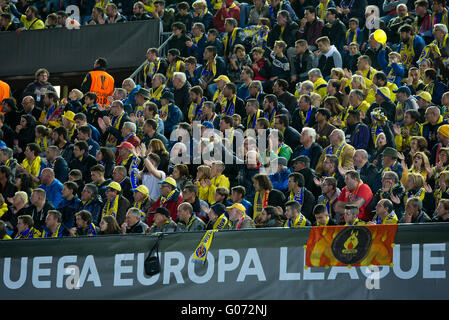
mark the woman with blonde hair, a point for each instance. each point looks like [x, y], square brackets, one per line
[415, 187]
[442, 190]
[359, 82]
[202, 175]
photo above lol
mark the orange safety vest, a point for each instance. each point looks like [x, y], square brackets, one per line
[4, 92]
[103, 85]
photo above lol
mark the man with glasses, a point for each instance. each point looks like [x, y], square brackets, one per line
[330, 193]
[29, 107]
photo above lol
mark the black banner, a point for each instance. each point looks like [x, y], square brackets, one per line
[240, 265]
[60, 50]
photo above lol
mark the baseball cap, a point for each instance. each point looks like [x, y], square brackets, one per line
[126, 144]
[169, 181]
[425, 96]
[403, 89]
[238, 206]
[222, 77]
[162, 210]
[142, 189]
[114, 185]
[218, 208]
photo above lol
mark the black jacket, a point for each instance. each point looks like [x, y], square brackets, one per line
[296, 119]
[8, 190]
[179, 43]
[302, 64]
[292, 137]
[369, 174]
[307, 204]
[123, 206]
[289, 35]
[336, 32]
[182, 98]
[289, 100]
[84, 166]
[313, 154]
[39, 217]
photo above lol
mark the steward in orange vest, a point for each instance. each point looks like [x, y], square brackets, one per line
[99, 81]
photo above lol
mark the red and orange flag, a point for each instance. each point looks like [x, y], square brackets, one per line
[350, 245]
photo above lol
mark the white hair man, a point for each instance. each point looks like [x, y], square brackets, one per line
[340, 148]
[181, 92]
[308, 146]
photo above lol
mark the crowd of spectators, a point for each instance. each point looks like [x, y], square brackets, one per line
[262, 114]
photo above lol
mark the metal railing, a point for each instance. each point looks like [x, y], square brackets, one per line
[161, 50]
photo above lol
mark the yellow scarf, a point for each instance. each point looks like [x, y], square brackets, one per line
[42, 143]
[209, 71]
[156, 94]
[300, 221]
[165, 199]
[195, 111]
[111, 211]
[322, 10]
[229, 109]
[407, 53]
[251, 121]
[151, 69]
[221, 222]
[164, 112]
[172, 68]
[225, 38]
[115, 122]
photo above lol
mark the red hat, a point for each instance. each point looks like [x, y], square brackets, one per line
[126, 144]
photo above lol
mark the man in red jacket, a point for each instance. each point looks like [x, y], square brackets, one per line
[170, 198]
[228, 10]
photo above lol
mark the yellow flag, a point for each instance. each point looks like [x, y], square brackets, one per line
[200, 254]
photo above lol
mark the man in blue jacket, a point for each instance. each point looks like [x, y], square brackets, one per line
[169, 112]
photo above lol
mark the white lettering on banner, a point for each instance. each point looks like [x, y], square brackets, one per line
[61, 271]
[90, 268]
[223, 267]
[210, 262]
[428, 260]
[352, 272]
[414, 265]
[141, 272]
[38, 272]
[251, 256]
[373, 281]
[7, 273]
[119, 269]
[283, 274]
[176, 268]
[53, 272]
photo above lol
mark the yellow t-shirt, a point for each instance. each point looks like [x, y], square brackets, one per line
[35, 24]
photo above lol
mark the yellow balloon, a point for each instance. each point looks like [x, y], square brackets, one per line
[380, 36]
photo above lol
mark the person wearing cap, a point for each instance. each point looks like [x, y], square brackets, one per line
[434, 120]
[383, 100]
[127, 157]
[111, 125]
[82, 160]
[142, 97]
[133, 224]
[238, 219]
[443, 142]
[405, 101]
[297, 192]
[295, 219]
[218, 95]
[301, 164]
[170, 198]
[187, 219]
[217, 217]
[142, 201]
[68, 122]
[169, 112]
[390, 162]
[115, 205]
[162, 221]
